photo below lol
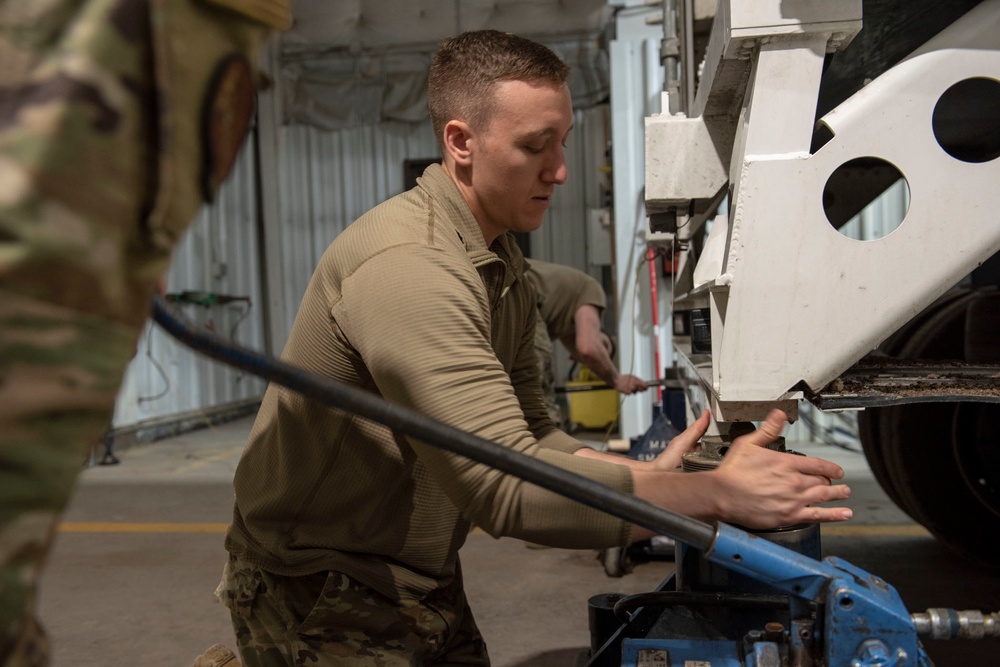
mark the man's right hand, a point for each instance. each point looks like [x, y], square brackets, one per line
[753, 487]
[765, 488]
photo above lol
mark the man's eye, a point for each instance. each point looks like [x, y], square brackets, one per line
[534, 149]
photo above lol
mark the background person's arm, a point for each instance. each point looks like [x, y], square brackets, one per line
[591, 347]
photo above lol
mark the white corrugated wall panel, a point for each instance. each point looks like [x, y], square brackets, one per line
[219, 254]
[329, 179]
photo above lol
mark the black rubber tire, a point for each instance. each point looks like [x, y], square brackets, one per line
[900, 344]
[942, 460]
[869, 425]
[909, 434]
[906, 430]
[937, 454]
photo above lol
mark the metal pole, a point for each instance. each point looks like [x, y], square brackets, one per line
[670, 56]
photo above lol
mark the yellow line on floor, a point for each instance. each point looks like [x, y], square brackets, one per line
[108, 527]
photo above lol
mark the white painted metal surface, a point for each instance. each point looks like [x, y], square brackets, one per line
[837, 298]
[796, 300]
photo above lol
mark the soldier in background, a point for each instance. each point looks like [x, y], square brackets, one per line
[570, 305]
[118, 120]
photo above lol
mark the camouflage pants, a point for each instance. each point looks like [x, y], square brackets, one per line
[543, 353]
[328, 619]
[103, 164]
[59, 372]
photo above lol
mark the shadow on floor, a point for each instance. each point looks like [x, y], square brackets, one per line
[566, 657]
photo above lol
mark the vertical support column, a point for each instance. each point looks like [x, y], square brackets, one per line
[776, 122]
[780, 103]
[636, 83]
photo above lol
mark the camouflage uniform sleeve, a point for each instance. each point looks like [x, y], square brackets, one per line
[118, 120]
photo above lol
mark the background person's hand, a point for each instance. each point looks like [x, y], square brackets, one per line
[629, 384]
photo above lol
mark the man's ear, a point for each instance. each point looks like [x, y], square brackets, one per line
[458, 138]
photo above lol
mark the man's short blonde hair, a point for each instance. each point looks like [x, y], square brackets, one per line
[467, 68]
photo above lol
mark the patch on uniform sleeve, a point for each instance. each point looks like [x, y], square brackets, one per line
[228, 109]
[275, 13]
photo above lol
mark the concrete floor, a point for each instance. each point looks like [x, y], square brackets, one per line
[140, 551]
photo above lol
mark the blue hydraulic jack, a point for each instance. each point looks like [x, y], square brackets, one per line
[837, 615]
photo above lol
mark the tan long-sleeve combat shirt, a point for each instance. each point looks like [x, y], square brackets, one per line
[563, 290]
[410, 304]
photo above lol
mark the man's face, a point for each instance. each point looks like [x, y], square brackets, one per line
[517, 160]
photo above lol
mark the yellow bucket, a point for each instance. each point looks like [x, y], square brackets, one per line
[593, 409]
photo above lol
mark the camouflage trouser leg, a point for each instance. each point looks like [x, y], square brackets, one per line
[104, 161]
[59, 373]
[329, 619]
[546, 372]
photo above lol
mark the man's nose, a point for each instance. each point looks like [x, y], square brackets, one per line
[557, 170]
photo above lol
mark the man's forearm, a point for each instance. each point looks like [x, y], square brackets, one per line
[589, 347]
[603, 367]
[610, 458]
